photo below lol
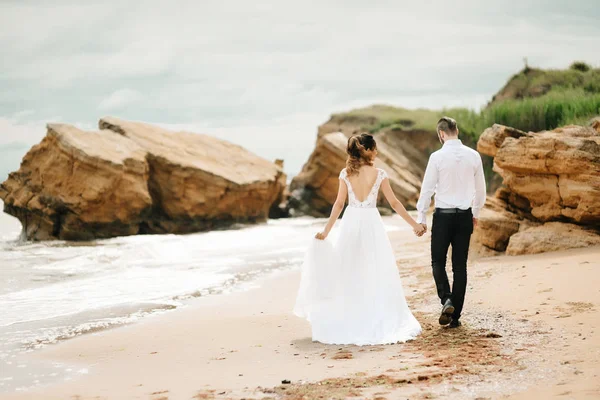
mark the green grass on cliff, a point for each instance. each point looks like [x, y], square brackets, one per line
[532, 82]
[378, 117]
[568, 97]
[554, 109]
[557, 108]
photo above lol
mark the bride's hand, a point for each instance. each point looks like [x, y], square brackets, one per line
[420, 229]
[321, 235]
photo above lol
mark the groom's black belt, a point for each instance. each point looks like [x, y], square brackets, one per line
[452, 210]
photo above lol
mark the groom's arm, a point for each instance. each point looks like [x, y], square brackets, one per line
[427, 190]
[480, 190]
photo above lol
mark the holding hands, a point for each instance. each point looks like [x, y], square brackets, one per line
[420, 229]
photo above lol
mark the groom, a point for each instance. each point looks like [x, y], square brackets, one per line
[455, 174]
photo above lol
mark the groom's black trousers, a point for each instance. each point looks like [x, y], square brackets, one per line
[451, 228]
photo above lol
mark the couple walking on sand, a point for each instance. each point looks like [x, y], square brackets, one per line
[350, 290]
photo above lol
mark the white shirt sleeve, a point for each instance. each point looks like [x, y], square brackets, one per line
[427, 189]
[480, 190]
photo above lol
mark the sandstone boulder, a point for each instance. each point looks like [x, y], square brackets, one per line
[199, 182]
[279, 207]
[314, 189]
[551, 236]
[492, 138]
[78, 184]
[496, 226]
[547, 176]
[495, 229]
[556, 172]
[130, 177]
[406, 153]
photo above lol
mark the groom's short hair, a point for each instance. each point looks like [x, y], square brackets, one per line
[447, 125]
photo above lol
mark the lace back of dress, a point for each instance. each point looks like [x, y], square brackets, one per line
[371, 200]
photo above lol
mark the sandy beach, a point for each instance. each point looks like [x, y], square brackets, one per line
[530, 331]
[165, 167]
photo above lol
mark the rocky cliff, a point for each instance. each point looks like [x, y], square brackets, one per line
[130, 177]
[551, 194]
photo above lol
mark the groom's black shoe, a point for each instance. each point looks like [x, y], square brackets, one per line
[447, 311]
[455, 323]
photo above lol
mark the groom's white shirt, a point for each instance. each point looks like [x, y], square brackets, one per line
[455, 174]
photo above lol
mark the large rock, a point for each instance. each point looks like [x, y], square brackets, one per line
[547, 176]
[406, 153]
[129, 178]
[79, 185]
[496, 226]
[551, 236]
[492, 138]
[556, 172]
[199, 182]
[314, 189]
[495, 229]
[402, 154]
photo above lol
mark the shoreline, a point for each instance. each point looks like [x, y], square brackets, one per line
[526, 318]
[53, 291]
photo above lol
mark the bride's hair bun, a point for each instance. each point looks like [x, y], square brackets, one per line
[358, 152]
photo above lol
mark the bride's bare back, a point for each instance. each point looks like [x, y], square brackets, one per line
[363, 182]
[361, 189]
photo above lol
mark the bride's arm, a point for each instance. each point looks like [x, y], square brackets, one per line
[398, 207]
[337, 208]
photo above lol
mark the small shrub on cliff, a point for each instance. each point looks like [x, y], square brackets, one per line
[580, 66]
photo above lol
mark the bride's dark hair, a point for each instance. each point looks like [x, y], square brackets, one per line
[357, 148]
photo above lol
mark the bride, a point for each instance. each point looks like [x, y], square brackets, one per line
[350, 290]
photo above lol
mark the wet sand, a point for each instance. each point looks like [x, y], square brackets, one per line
[531, 331]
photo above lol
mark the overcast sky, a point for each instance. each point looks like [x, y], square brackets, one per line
[264, 74]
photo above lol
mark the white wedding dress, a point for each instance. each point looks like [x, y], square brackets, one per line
[350, 290]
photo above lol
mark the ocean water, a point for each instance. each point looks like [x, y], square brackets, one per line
[52, 291]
